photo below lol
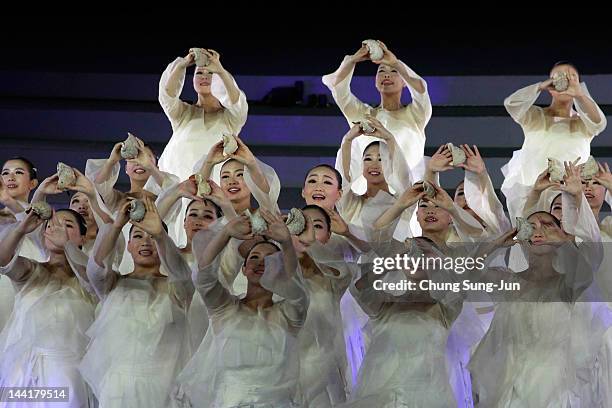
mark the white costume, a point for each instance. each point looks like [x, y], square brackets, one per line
[45, 337]
[248, 357]
[194, 131]
[406, 124]
[139, 340]
[563, 139]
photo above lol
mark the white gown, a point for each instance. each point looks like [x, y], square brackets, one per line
[194, 132]
[564, 139]
[541, 347]
[140, 339]
[45, 337]
[323, 362]
[406, 124]
[248, 358]
[30, 248]
[405, 365]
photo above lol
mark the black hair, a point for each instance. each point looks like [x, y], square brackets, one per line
[80, 220]
[227, 162]
[32, 170]
[327, 166]
[265, 241]
[563, 62]
[557, 222]
[164, 226]
[320, 209]
[375, 143]
[218, 211]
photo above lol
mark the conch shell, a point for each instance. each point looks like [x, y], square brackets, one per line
[458, 154]
[525, 229]
[589, 169]
[296, 222]
[560, 81]
[376, 51]
[556, 170]
[430, 191]
[129, 148]
[258, 223]
[42, 209]
[137, 210]
[201, 59]
[230, 145]
[203, 186]
[66, 176]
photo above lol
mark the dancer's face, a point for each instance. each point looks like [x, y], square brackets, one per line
[372, 165]
[16, 179]
[232, 181]
[388, 80]
[136, 171]
[199, 216]
[142, 248]
[80, 203]
[321, 188]
[594, 192]
[322, 230]
[432, 218]
[202, 79]
[545, 232]
[254, 266]
[72, 230]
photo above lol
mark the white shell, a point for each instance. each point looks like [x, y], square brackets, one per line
[258, 223]
[230, 145]
[376, 51]
[589, 169]
[203, 186]
[295, 221]
[201, 59]
[458, 154]
[525, 229]
[66, 176]
[42, 209]
[556, 170]
[367, 126]
[430, 191]
[560, 81]
[137, 210]
[129, 147]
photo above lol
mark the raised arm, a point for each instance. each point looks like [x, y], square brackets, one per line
[206, 278]
[284, 277]
[171, 86]
[520, 105]
[339, 83]
[18, 269]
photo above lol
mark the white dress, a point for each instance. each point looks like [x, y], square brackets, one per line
[540, 348]
[406, 124]
[30, 248]
[248, 358]
[195, 132]
[140, 339]
[45, 337]
[405, 365]
[564, 139]
[323, 362]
